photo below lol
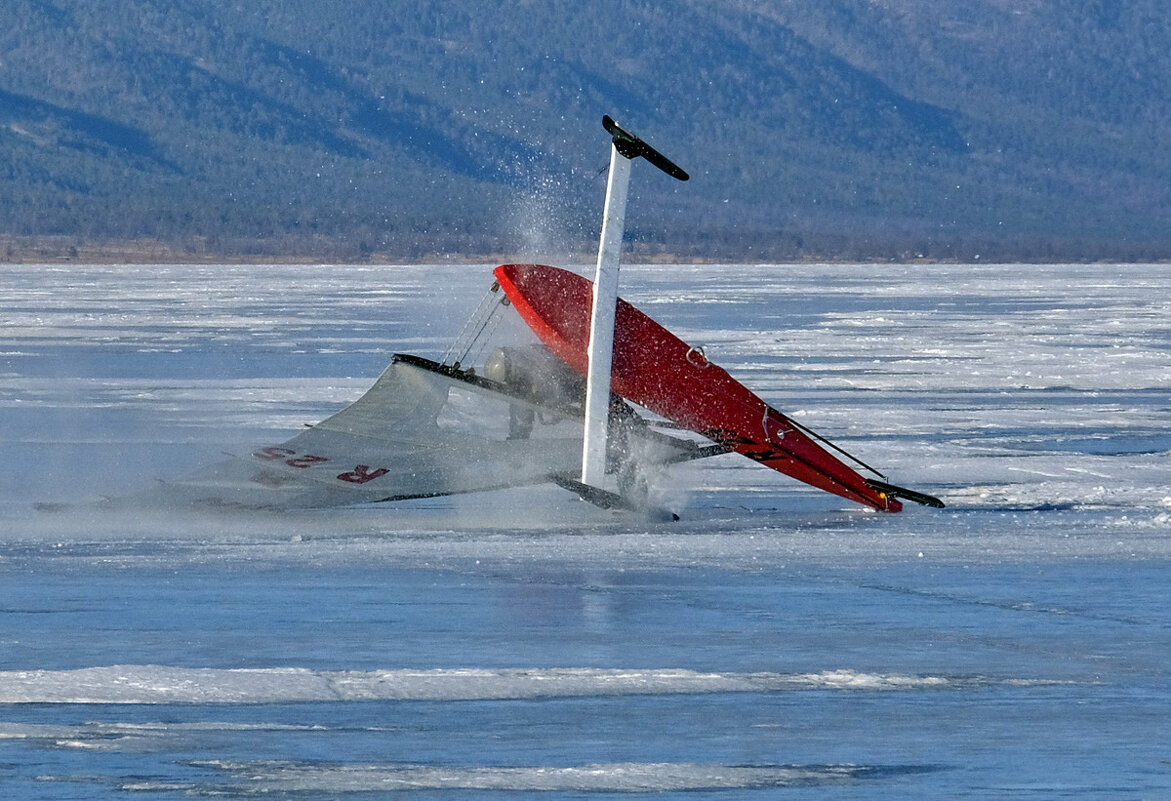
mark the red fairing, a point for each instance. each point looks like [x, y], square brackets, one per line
[655, 369]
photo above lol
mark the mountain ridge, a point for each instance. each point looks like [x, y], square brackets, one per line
[844, 129]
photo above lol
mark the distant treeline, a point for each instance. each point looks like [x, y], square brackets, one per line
[295, 250]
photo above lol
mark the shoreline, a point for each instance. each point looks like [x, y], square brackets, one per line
[58, 250]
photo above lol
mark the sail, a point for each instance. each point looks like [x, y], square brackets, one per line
[422, 430]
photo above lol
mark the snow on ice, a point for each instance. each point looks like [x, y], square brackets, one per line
[524, 641]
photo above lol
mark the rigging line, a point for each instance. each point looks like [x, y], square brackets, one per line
[483, 309]
[483, 333]
[706, 363]
[471, 323]
[810, 432]
[814, 435]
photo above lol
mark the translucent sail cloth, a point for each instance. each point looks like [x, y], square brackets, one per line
[423, 430]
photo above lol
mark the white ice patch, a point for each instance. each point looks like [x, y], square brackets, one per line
[126, 737]
[621, 777]
[1031, 399]
[153, 684]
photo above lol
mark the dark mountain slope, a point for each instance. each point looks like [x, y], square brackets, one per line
[851, 128]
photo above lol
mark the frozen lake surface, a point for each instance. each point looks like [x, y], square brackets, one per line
[776, 642]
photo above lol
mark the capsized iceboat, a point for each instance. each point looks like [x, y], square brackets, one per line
[655, 369]
[428, 428]
[534, 416]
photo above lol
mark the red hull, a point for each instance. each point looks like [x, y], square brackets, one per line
[657, 370]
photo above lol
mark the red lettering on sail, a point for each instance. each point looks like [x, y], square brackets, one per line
[305, 461]
[274, 453]
[362, 473]
[290, 457]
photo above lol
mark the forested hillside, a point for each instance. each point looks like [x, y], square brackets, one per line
[999, 129]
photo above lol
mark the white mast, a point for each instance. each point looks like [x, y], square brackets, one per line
[624, 148]
[601, 347]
